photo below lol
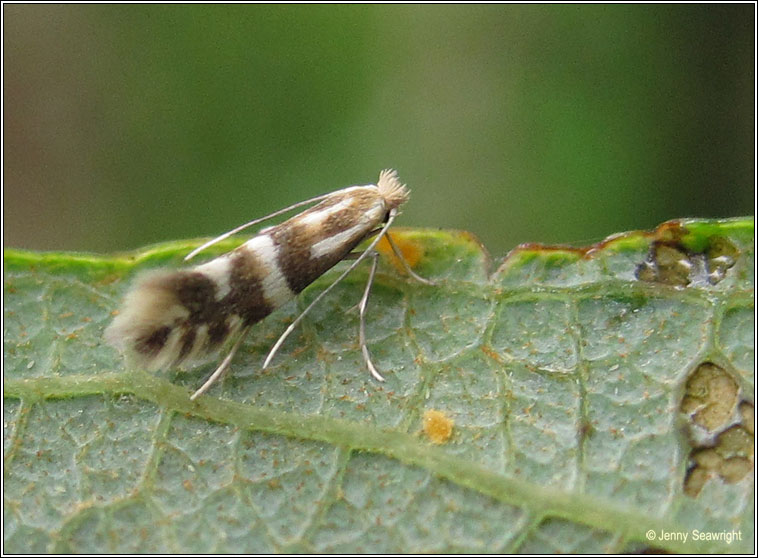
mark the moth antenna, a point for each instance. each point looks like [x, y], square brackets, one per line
[234, 231]
[367, 252]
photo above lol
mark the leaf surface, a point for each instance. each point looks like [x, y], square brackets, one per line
[563, 376]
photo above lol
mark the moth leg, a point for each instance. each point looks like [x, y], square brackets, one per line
[367, 252]
[362, 329]
[221, 367]
[405, 264]
[352, 256]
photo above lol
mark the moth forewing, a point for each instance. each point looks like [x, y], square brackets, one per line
[176, 317]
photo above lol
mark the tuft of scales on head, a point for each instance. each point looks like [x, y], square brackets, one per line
[391, 189]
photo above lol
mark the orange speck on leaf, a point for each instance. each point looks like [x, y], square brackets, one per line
[410, 250]
[437, 426]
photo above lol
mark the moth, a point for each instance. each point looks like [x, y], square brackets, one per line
[176, 317]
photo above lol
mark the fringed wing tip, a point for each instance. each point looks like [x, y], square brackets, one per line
[155, 330]
[145, 327]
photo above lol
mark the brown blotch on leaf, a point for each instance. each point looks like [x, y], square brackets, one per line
[695, 481]
[670, 262]
[731, 459]
[735, 469]
[711, 396]
[666, 263]
[735, 442]
[721, 255]
[712, 399]
[748, 416]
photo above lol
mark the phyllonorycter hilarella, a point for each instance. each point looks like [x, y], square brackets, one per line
[174, 317]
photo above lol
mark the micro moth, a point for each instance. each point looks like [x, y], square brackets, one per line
[176, 317]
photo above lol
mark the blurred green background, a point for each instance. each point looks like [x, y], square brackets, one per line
[130, 124]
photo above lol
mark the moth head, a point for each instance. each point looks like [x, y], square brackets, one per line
[391, 189]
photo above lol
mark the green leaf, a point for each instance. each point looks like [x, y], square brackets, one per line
[562, 374]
